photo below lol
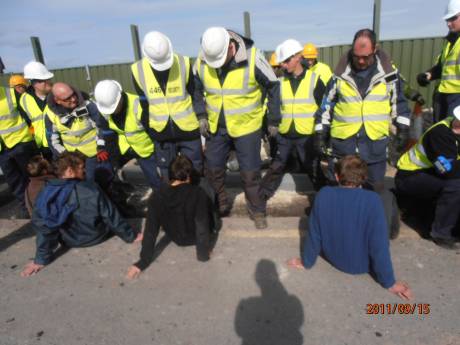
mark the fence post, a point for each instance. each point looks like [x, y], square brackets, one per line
[247, 25]
[376, 21]
[136, 44]
[37, 48]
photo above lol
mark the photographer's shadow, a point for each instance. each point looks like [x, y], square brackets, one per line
[275, 317]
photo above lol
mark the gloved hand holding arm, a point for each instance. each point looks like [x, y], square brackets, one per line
[423, 79]
[204, 127]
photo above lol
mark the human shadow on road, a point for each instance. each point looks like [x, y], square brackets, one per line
[14, 237]
[275, 317]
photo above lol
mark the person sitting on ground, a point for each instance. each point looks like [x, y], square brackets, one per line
[40, 171]
[347, 225]
[184, 210]
[74, 213]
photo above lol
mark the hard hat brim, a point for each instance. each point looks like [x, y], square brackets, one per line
[162, 65]
[449, 15]
[216, 62]
[457, 112]
[46, 76]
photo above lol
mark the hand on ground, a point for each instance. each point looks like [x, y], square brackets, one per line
[295, 263]
[30, 269]
[139, 237]
[402, 289]
[133, 272]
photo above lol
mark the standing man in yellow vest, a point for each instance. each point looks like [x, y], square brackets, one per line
[430, 171]
[71, 126]
[122, 113]
[310, 53]
[301, 94]
[361, 100]
[165, 84]
[33, 103]
[448, 67]
[17, 145]
[233, 75]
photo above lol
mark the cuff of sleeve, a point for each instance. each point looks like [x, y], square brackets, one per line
[403, 121]
[388, 284]
[202, 116]
[141, 265]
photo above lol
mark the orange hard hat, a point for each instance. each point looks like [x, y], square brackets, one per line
[310, 51]
[272, 61]
[17, 79]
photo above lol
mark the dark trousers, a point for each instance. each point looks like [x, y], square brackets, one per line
[247, 149]
[445, 193]
[444, 105]
[166, 152]
[304, 147]
[13, 163]
[100, 172]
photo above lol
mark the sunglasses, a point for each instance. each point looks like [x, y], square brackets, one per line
[364, 57]
[68, 98]
[288, 59]
[451, 19]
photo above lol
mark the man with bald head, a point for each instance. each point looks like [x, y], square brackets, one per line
[361, 101]
[71, 126]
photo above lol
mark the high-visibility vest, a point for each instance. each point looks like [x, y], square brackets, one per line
[176, 104]
[37, 118]
[133, 134]
[323, 70]
[300, 107]
[13, 128]
[240, 97]
[450, 60]
[80, 136]
[415, 158]
[352, 111]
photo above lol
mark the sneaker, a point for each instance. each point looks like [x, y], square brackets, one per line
[445, 243]
[260, 221]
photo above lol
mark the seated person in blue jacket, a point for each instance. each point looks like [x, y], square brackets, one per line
[73, 212]
[186, 212]
[347, 226]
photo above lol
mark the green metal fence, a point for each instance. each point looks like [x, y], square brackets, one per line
[411, 56]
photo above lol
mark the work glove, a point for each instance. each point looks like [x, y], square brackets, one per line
[320, 145]
[415, 96]
[402, 138]
[102, 156]
[204, 128]
[422, 79]
[272, 131]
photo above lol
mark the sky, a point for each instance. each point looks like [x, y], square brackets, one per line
[97, 32]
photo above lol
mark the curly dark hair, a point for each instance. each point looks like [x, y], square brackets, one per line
[351, 171]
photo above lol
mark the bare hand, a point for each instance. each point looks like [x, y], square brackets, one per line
[139, 237]
[295, 263]
[133, 272]
[402, 289]
[30, 269]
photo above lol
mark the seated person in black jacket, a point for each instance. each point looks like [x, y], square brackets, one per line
[74, 213]
[185, 212]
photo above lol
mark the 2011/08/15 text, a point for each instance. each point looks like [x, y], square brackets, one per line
[398, 308]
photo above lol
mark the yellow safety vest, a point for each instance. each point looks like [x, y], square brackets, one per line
[240, 97]
[37, 118]
[13, 128]
[450, 60]
[323, 70]
[351, 111]
[415, 158]
[133, 134]
[80, 136]
[300, 107]
[176, 104]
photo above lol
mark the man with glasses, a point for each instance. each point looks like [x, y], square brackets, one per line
[33, 103]
[447, 68]
[361, 100]
[71, 126]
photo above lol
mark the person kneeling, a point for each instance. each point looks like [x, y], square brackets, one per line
[185, 212]
[74, 213]
[347, 225]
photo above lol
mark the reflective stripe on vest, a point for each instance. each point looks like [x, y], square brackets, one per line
[133, 135]
[416, 158]
[450, 61]
[301, 111]
[351, 111]
[81, 135]
[37, 118]
[239, 97]
[323, 70]
[13, 128]
[176, 104]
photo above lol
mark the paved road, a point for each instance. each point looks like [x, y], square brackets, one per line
[244, 295]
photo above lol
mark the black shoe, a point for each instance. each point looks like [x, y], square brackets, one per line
[445, 243]
[224, 210]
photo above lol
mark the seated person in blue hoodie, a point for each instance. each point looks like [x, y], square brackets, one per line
[74, 213]
[347, 226]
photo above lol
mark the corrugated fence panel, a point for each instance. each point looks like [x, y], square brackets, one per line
[411, 56]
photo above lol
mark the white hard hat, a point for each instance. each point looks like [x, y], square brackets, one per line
[457, 112]
[107, 94]
[37, 70]
[287, 49]
[453, 7]
[214, 46]
[157, 48]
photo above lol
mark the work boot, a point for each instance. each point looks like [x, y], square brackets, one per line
[216, 178]
[446, 243]
[260, 220]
